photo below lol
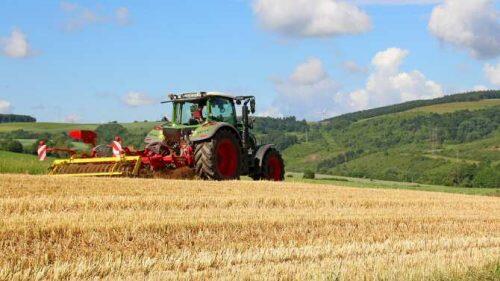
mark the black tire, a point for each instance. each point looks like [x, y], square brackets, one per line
[273, 166]
[215, 159]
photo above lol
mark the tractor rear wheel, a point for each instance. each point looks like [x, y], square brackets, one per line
[273, 167]
[218, 158]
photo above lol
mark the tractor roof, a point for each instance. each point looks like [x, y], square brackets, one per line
[198, 96]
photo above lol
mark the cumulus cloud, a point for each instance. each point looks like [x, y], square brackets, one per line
[16, 45]
[389, 60]
[308, 92]
[493, 73]
[472, 25]
[480, 88]
[72, 118]
[78, 17]
[353, 67]
[5, 106]
[135, 99]
[270, 111]
[397, 2]
[311, 18]
[388, 85]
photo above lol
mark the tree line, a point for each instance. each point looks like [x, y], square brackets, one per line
[10, 118]
[370, 113]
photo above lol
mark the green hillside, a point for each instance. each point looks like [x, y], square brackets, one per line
[19, 163]
[455, 143]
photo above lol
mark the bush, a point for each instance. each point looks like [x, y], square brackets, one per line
[12, 146]
[107, 132]
[308, 174]
[487, 176]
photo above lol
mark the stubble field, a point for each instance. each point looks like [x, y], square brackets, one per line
[69, 228]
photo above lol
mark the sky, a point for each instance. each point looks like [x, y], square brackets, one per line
[100, 61]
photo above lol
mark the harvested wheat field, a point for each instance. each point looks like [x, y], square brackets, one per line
[68, 228]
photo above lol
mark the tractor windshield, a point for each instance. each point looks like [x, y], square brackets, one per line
[222, 110]
[191, 113]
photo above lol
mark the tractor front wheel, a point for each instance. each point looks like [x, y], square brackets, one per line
[273, 167]
[218, 158]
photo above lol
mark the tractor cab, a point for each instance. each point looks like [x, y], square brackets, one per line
[199, 115]
[192, 109]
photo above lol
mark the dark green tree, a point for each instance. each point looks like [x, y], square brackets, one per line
[309, 174]
[11, 145]
[107, 132]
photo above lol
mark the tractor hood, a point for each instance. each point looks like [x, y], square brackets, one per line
[196, 133]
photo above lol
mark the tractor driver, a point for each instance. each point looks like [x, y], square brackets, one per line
[197, 113]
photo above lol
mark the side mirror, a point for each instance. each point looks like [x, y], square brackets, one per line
[252, 106]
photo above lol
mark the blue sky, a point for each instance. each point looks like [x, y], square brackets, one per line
[94, 61]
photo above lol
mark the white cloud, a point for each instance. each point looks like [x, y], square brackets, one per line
[480, 88]
[270, 111]
[5, 106]
[493, 73]
[389, 60]
[397, 2]
[353, 67]
[311, 18]
[122, 16]
[358, 99]
[309, 73]
[470, 24]
[16, 45]
[72, 118]
[387, 85]
[308, 92]
[136, 99]
[78, 17]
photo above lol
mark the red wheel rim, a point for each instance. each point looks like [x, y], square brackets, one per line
[275, 169]
[227, 158]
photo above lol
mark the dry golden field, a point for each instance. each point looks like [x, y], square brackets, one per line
[68, 228]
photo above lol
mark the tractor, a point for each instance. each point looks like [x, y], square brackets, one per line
[204, 136]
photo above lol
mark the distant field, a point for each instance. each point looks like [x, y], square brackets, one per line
[456, 106]
[44, 127]
[67, 228]
[64, 127]
[19, 163]
[27, 143]
[371, 183]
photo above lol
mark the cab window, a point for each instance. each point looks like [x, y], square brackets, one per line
[191, 113]
[222, 110]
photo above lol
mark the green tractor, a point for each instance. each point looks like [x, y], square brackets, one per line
[206, 135]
